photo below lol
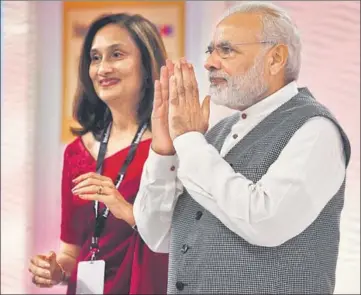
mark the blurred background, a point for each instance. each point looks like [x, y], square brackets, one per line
[39, 48]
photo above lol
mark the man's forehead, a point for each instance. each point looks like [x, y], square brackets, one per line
[239, 27]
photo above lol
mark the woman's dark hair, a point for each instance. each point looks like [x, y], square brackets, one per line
[89, 110]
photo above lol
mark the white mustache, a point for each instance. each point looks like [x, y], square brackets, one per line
[218, 75]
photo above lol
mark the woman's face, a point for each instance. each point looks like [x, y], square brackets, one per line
[115, 67]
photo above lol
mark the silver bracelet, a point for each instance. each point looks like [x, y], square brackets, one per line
[64, 277]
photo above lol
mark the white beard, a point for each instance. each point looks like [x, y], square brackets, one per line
[241, 91]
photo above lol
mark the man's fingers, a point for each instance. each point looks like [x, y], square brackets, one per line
[188, 84]
[179, 84]
[194, 82]
[157, 97]
[170, 67]
[173, 92]
[164, 83]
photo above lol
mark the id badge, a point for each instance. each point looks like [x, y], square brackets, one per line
[90, 279]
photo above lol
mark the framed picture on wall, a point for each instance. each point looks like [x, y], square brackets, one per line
[168, 16]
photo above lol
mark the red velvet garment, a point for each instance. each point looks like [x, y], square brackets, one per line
[130, 266]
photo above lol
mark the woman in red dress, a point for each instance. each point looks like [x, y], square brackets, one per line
[120, 61]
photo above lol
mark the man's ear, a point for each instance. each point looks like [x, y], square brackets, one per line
[278, 58]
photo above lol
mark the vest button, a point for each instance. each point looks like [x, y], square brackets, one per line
[185, 248]
[199, 215]
[179, 286]
[235, 136]
[244, 116]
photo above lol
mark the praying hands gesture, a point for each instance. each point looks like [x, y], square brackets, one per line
[176, 109]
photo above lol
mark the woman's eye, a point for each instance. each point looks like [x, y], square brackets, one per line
[117, 54]
[94, 57]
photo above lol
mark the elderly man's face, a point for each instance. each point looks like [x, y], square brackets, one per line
[237, 61]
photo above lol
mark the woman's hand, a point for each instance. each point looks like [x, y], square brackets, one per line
[92, 186]
[46, 271]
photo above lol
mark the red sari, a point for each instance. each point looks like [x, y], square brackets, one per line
[130, 266]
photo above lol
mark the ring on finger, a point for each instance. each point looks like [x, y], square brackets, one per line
[100, 189]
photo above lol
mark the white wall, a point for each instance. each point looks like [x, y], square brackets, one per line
[330, 68]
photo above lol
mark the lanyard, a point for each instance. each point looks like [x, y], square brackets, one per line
[101, 218]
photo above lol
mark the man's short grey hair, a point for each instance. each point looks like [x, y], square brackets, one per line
[277, 28]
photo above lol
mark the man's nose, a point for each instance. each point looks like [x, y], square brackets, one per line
[213, 62]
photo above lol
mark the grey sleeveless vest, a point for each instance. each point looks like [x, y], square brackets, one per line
[208, 258]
